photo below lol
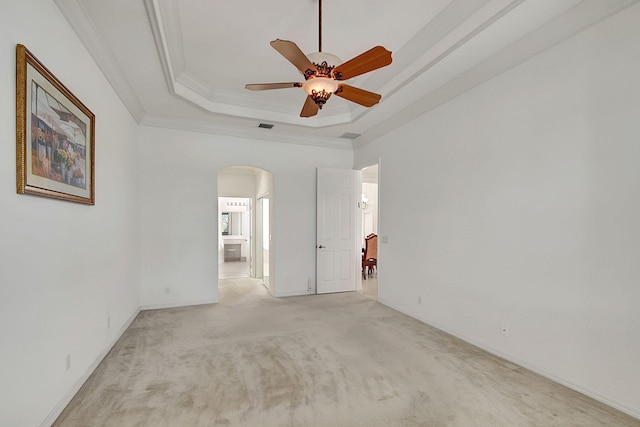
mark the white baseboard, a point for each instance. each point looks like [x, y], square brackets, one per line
[177, 304]
[57, 410]
[607, 400]
[600, 397]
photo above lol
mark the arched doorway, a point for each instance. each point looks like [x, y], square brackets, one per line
[245, 212]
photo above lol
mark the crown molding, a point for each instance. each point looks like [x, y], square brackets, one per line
[194, 84]
[152, 7]
[246, 133]
[75, 13]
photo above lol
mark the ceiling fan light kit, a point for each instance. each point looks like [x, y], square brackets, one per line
[324, 72]
[320, 89]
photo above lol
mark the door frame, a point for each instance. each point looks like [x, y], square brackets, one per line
[260, 238]
[382, 240]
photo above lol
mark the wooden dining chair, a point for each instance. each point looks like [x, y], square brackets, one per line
[370, 255]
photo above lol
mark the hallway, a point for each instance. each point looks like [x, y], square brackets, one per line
[232, 269]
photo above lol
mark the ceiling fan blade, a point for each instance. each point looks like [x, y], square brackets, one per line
[359, 96]
[372, 59]
[310, 108]
[268, 86]
[292, 52]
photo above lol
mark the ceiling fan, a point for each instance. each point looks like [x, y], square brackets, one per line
[324, 73]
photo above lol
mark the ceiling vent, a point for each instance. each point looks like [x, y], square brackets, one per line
[350, 135]
[265, 125]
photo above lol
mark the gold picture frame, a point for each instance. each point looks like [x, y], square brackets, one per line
[55, 135]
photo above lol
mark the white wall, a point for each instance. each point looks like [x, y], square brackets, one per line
[178, 201]
[64, 267]
[234, 184]
[264, 184]
[521, 205]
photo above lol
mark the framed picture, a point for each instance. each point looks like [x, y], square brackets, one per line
[54, 135]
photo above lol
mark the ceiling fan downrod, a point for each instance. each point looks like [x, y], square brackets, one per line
[320, 81]
[320, 26]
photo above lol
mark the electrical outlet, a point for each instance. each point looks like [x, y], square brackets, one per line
[167, 290]
[504, 330]
[68, 361]
[308, 285]
[419, 300]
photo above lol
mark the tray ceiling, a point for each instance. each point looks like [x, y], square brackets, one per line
[184, 64]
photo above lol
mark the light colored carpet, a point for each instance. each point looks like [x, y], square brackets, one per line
[326, 360]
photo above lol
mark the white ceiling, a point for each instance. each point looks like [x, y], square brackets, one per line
[184, 63]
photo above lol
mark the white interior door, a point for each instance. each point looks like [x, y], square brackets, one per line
[338, 230]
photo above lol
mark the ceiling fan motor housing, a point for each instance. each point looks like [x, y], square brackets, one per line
[328, 58]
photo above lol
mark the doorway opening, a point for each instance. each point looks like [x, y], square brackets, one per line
[244, 218]
[234, 247]
[370, 251]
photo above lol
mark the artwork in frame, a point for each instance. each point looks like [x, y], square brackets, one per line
[54, 135]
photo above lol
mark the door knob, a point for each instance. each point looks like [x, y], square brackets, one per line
[320, 246]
